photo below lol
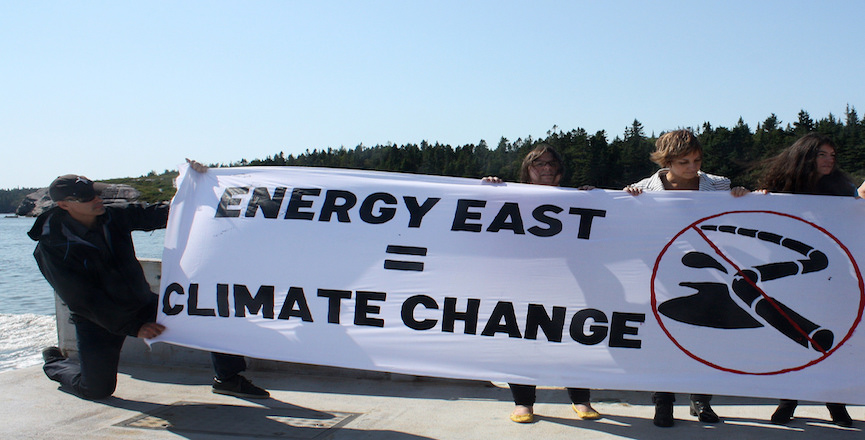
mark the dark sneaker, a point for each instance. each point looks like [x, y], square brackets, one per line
[239, 386]
[703, 411]
[52, 354]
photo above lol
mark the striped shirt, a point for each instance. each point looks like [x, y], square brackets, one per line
[708, 182]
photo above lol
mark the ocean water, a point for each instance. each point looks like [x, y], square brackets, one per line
[27, 316]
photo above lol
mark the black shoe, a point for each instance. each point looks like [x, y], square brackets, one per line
[663, 414]
[51, 354]
[784, 413]
[703, 411]
[839, 414]
[239, 386]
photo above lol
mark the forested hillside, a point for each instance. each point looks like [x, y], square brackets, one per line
[590, 159]
[10, 198]
[594, 159]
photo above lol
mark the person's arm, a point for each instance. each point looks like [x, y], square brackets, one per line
[149, 217]
[861, 191]
[492, 179]
[142, 217]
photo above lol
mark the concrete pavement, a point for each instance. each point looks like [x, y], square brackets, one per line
[156, 402]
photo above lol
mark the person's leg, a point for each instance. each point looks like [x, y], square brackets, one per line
[524, 395]
[663, 408]
[228, 380]
[784, 413]
[839, 414]
[701, 408]
[95, 375]
[663, 397]
[524, 399]
[226, 366]
[581, 403]
[580, 395]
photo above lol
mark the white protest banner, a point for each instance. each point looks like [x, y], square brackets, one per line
[671, 291]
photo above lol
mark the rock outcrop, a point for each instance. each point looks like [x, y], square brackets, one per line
[38, 202]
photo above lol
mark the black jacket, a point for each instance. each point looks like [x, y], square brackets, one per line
[100, 280]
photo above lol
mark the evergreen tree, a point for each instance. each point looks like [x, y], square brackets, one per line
[804, 125]
[634, 151]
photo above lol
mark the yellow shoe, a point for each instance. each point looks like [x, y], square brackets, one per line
[591, 414]
[523, 418]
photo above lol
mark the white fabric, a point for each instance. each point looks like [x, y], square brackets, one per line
[367, 270]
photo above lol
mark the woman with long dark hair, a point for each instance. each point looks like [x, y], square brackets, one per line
[808, 167]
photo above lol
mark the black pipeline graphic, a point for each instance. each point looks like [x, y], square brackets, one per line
[712, 305]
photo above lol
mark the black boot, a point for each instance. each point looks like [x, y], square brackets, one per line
[663, 414]
[784, 413]
[838, 411]
[703, 411]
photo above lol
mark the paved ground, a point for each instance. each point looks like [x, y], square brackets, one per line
[176, 403]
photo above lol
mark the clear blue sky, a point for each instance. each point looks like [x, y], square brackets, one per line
[120, 88]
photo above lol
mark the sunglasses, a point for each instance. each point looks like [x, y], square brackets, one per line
[80, 199]
[543, 163]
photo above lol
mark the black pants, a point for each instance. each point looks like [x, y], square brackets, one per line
[525, 394]
[95, 375]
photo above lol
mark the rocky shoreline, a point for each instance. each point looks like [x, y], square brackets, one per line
[38, 201]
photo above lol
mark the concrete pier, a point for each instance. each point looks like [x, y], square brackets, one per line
[168, 402]
[165, 394]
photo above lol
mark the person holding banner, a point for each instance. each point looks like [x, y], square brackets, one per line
[543, 166]
[680, 155]
[85, 251]
[808, 167]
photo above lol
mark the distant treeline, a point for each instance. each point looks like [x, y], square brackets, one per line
[590, 159]
[593, 159]
[10, 198]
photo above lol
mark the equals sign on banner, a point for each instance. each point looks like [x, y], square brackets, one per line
[416, 266]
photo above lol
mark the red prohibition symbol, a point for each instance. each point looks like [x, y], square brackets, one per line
[757, 292]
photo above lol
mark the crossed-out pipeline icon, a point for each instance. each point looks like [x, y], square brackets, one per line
[713, 306]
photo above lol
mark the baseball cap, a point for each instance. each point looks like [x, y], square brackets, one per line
[72, 185]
